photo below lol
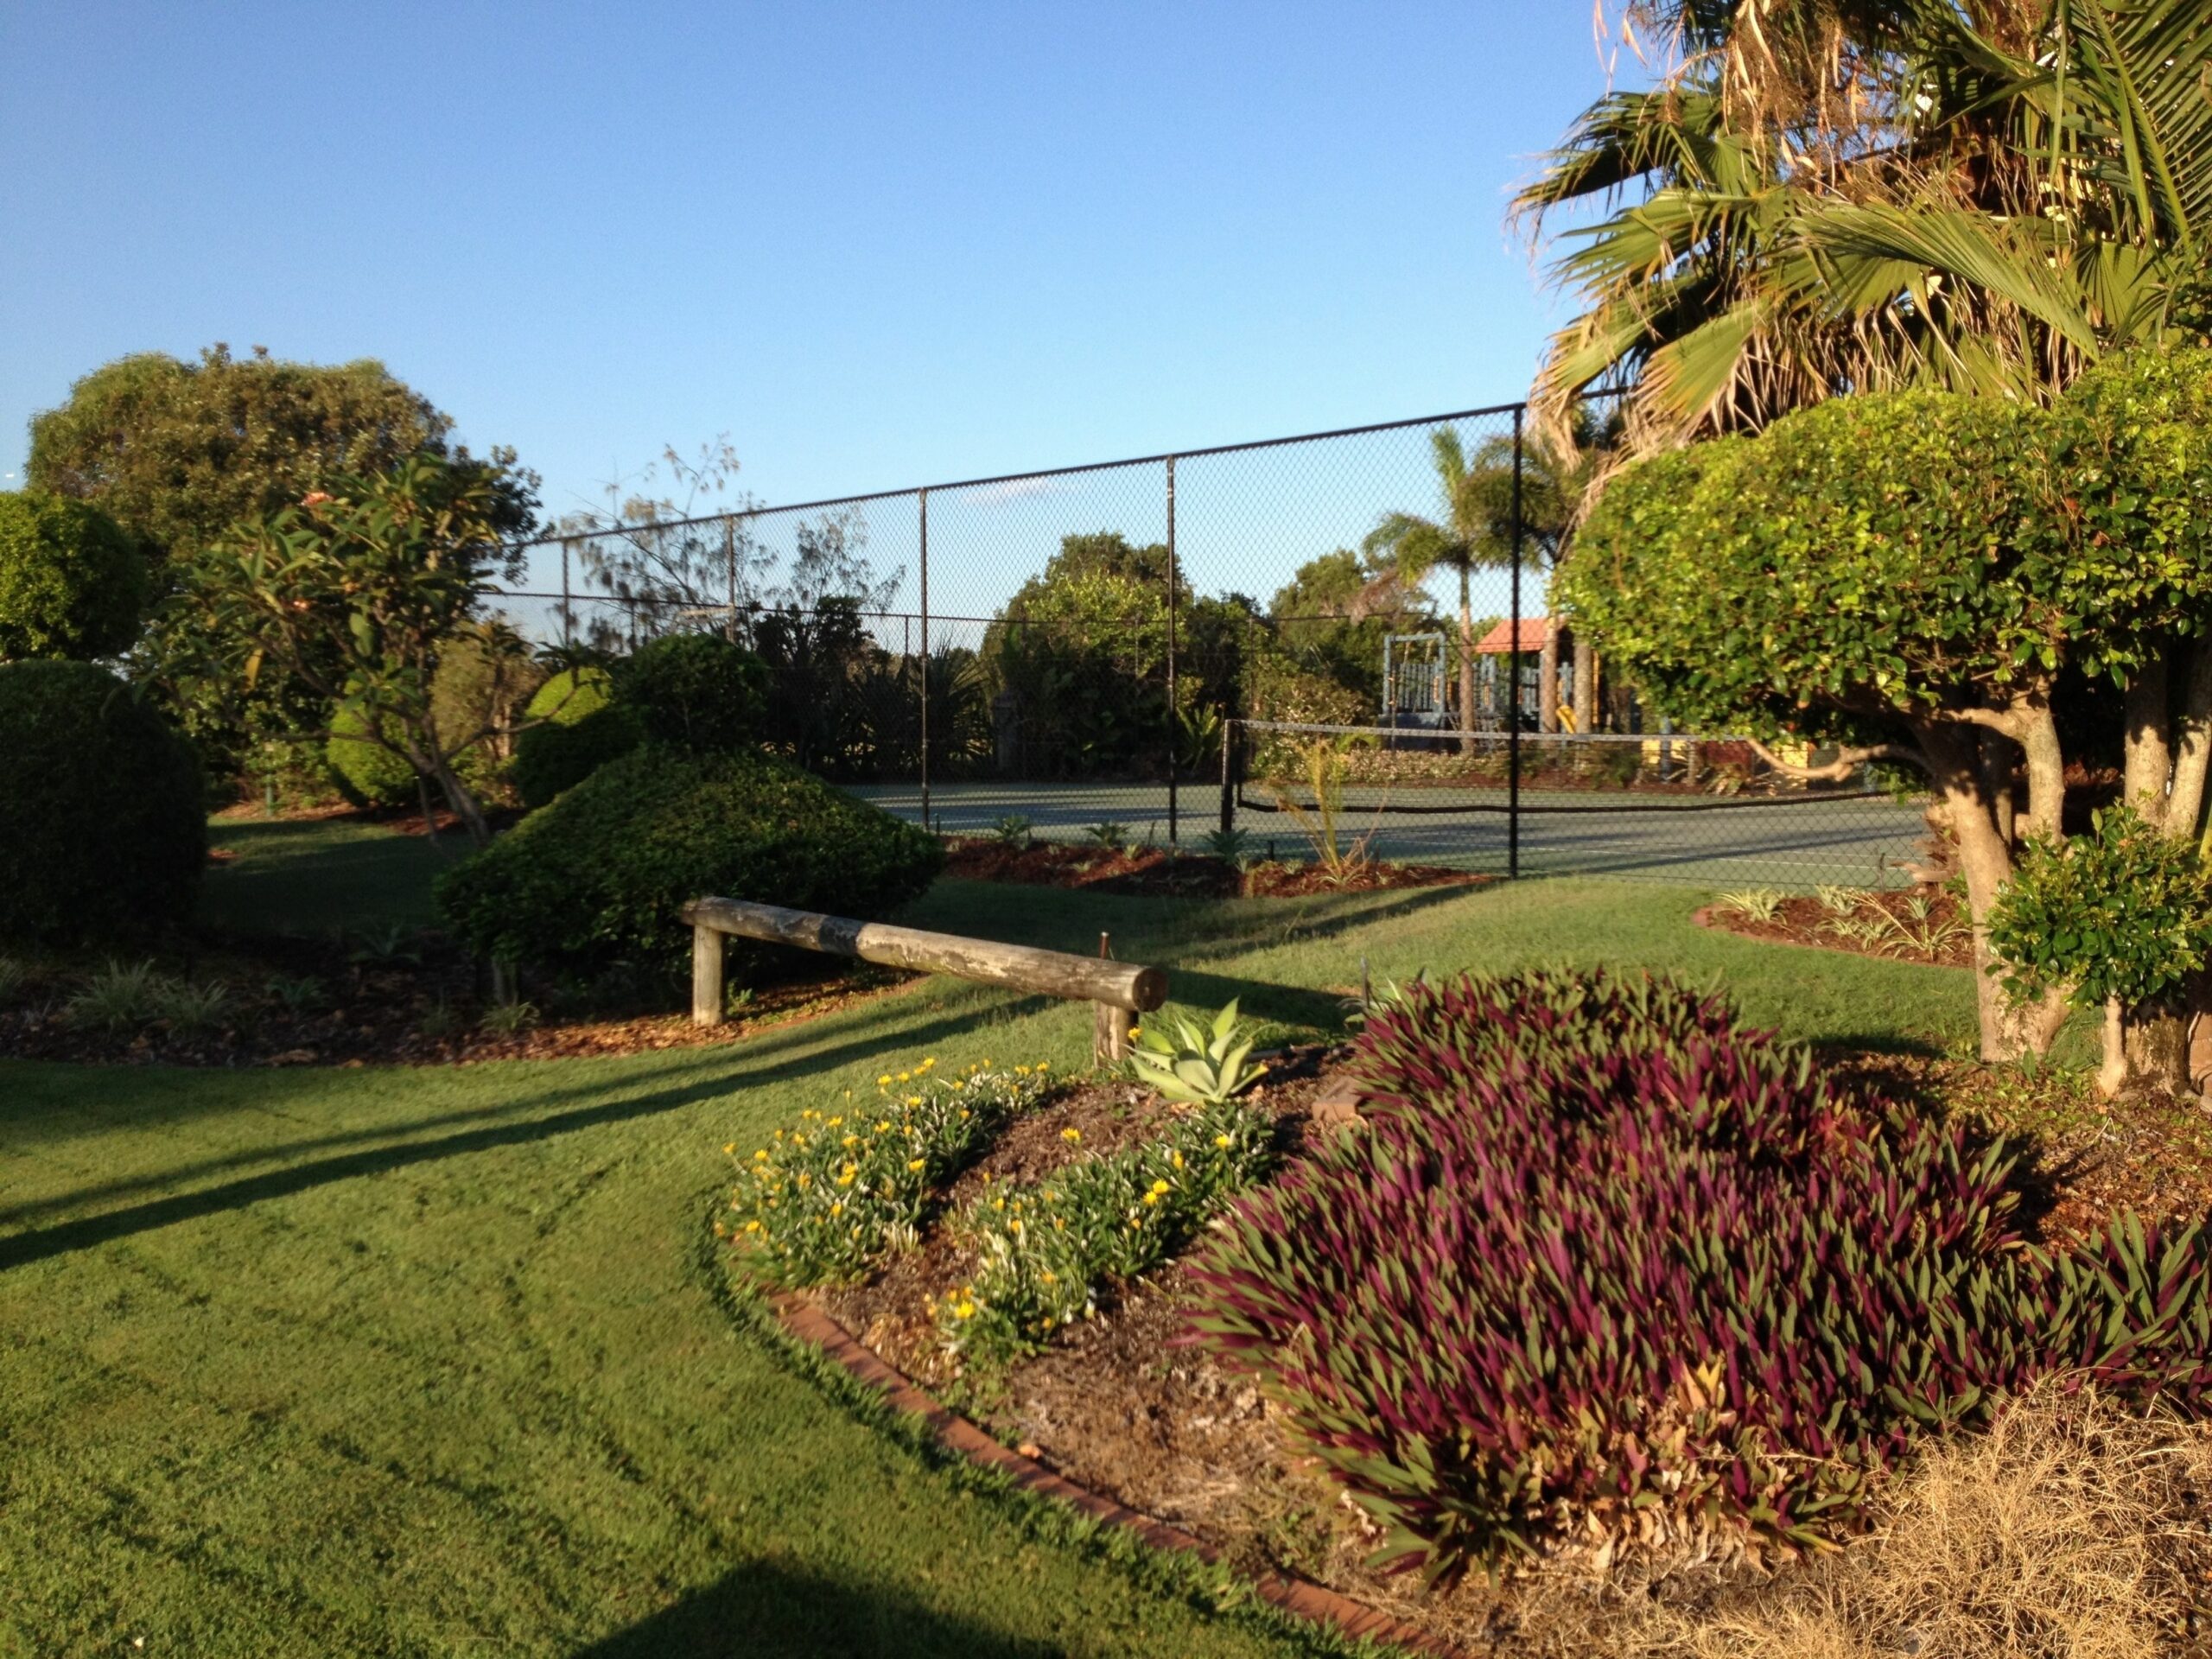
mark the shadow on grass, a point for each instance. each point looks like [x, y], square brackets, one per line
[523, 1121]
[762, 1610]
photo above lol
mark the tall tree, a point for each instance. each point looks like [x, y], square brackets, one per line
[1819, 196]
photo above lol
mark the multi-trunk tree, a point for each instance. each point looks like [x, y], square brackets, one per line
[1923, 578]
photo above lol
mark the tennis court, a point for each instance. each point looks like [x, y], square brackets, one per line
[1791, 842]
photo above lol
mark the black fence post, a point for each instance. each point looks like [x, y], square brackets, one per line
[1173, 601]
[1513, 673]
[923, 677]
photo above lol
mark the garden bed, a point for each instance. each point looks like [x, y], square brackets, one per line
[1926, 924]
[396, 997]
[1152, 871]
[1121, 1406]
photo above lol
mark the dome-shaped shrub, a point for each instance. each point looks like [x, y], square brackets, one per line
[368, 774]
[71, 583]
[597, 878]
[584, 729]
[103, 830]
[695, 691]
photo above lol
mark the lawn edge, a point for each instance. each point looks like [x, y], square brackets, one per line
[1360, 1628]
[1193, 1577]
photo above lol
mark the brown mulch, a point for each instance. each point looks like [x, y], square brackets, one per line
[426, 1011]
[1152, 872]
[1904, 937]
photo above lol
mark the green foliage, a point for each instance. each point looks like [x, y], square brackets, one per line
[509, 1019]
[695, 691]
[1880, 557]
[1231, 846]
[356, 594]
[368, 773]
[1196, 1065]
[1048, 1251]
[596, 877]
[103, 828]
[1110, 834]
[1014, 831]
[179, 453]
[120, 997]
[71, 583]
[827, 1198]
[1752, 904]
[582, 729]
[2123, 912]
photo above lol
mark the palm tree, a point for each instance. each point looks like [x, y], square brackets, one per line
[1476, 533]
[1820, 197]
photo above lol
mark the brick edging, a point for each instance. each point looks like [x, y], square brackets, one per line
[809, 1324]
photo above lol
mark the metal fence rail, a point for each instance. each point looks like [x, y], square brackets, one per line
[1084, 648]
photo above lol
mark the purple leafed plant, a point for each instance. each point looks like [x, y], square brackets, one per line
[1606, 1266]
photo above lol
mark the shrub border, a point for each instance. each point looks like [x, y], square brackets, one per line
[806, 1323]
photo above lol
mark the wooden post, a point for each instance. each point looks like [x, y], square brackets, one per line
[705, 975]
[1109, 1033]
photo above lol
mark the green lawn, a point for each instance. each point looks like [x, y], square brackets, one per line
[380, 1361]
[316, 878]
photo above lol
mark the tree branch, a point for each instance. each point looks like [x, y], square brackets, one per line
[1846, 762]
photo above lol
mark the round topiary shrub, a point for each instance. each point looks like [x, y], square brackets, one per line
[695, 691]
[103, 830]
[584, 728]
[1603, 1265]
[72, 583]
[367, 774]
[595, 880]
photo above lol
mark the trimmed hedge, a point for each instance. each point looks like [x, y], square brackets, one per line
[596, 879]
[103, 826]
[73, 583]
[695, 691]
[585, 728]
[367, 774]
[1606, 1266]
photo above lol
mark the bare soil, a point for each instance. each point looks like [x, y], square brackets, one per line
[1150, 871]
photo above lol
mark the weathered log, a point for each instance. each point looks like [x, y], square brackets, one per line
[1125, 988]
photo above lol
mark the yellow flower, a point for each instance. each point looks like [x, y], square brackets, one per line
[1176, 1159]
[846, 1180]
[836, 1121]
[913, 1100]
[761, 1156]
[918, 1164]
[1152, 1197]
[836, 1208]
[850, 1141]
[753, 1226]
[1044, 1065]
[905, 1077]
[883, 1082]
[963, 1310]
[1072, 1135]
[1059, 1223]
[806, 1181]
[1136, 1030]
[883, 1128]
[1159, 1186]
[1020, 1070]
[1221, 1140]
[729, 1148]
[1046, 1278]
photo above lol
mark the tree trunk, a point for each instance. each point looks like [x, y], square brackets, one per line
[1547, 679]
[2155, 1051]
[1585, 687]
[2111, 1074]
[2007, 1029]
[2149, 764]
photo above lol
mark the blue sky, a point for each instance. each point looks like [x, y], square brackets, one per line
[877, 244]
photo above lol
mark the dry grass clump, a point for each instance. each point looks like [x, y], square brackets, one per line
[2072, 1530]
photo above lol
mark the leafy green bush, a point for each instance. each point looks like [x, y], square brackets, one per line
[367, 773]
[103, 830]
[827, 1198]
[1047, 1250]
[596, 877]
[1605, 1265]
[72, 583]
[584, 729]
[2123, 915]
[695, 691]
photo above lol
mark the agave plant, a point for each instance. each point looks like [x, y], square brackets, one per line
[1196, 1065]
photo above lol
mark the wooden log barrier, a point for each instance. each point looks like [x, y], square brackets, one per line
[1118, 990]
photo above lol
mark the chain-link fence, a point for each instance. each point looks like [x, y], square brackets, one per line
[1242, 649]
